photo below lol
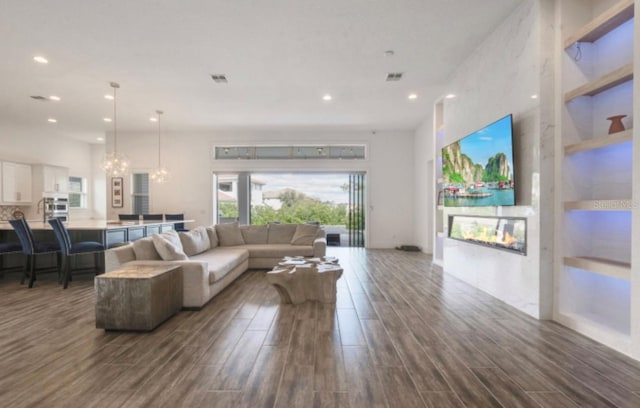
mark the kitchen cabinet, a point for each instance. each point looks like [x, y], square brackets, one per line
[16, 183]
[55, 179]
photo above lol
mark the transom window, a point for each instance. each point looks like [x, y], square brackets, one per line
[324, 152]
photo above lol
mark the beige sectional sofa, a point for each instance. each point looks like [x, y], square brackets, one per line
[213, 257]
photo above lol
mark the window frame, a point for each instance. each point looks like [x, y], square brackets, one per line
[135, 195]
[83, 193]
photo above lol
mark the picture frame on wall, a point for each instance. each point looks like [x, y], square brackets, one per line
[116, 192]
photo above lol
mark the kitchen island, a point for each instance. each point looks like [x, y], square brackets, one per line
[108, 233]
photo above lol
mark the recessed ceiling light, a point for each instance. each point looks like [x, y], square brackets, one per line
[153, 119]
[52, 120]
[100, 139]
[327, 97]
[412, 96]
[107, 119]
[450, 96]
[40, 59]
[54, 98]
[534, 96]
[109, 97]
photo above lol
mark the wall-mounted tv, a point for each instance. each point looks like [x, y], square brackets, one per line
[477, 170]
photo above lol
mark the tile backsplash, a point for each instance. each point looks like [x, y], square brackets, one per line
[6, 211]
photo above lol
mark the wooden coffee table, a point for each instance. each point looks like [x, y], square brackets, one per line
[138, 297]
[300, 279]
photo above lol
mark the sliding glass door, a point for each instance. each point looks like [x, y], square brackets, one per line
[333, 200]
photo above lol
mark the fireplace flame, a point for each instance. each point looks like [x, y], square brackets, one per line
[490, 237]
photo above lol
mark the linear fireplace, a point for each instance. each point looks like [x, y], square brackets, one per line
[505, 233]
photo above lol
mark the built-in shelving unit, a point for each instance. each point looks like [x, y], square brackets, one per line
[599, 142]
[438, 213]
[604, 83]
[607, 267]
[598, 205]
[603, 24]
[594, 265]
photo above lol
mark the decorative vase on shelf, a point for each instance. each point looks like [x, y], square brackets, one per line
[616, 123]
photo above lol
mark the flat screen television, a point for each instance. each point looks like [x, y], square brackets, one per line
[477, 170]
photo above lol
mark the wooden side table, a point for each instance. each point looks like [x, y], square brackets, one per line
[138, 297]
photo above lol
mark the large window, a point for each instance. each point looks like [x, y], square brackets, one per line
[140, 193]
[77, 192]
[334, 200]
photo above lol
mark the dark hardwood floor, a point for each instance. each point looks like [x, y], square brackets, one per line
[400, 335]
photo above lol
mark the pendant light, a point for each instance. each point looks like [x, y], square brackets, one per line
[160, 174]
[115, 164]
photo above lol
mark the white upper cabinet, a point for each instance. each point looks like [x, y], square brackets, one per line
[16, 183]
[56, 179]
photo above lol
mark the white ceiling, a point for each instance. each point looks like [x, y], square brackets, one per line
[280, 57]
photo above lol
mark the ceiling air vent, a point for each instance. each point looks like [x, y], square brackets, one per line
[39, 98]
[219, 78]
[394, 76]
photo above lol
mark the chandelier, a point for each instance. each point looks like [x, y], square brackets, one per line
[115, 164]
[160, 174]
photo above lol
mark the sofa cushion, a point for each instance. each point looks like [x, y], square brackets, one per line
[305, 234]
[168, 246]
[145, 250]
[213, 236]
[254, 234]
[278, 250]
[195, 241]
[229, 234]
[281, 233]
[221, 261]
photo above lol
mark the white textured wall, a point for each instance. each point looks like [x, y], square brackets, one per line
[497, 79]
[189, 157]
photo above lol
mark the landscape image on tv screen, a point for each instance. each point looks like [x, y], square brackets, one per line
[477, 170]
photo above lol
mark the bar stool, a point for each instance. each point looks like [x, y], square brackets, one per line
[152, 217]
[8, 248]
[32, 249]
[128, 217]
[70, 249]
[179, 226]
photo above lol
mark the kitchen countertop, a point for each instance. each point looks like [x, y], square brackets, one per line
[92, 224]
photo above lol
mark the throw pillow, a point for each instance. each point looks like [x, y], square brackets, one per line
[254, 234]
[305, 234]
[281, 233]
[229, 234]
[145, 250]
[213, 236]
[195, 241]
[168, 246]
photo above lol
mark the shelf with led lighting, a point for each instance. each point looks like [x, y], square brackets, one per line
[604, 83]
[606, 267]
[599, 142]
[598, 205]
[614, 17]
[597, 192]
